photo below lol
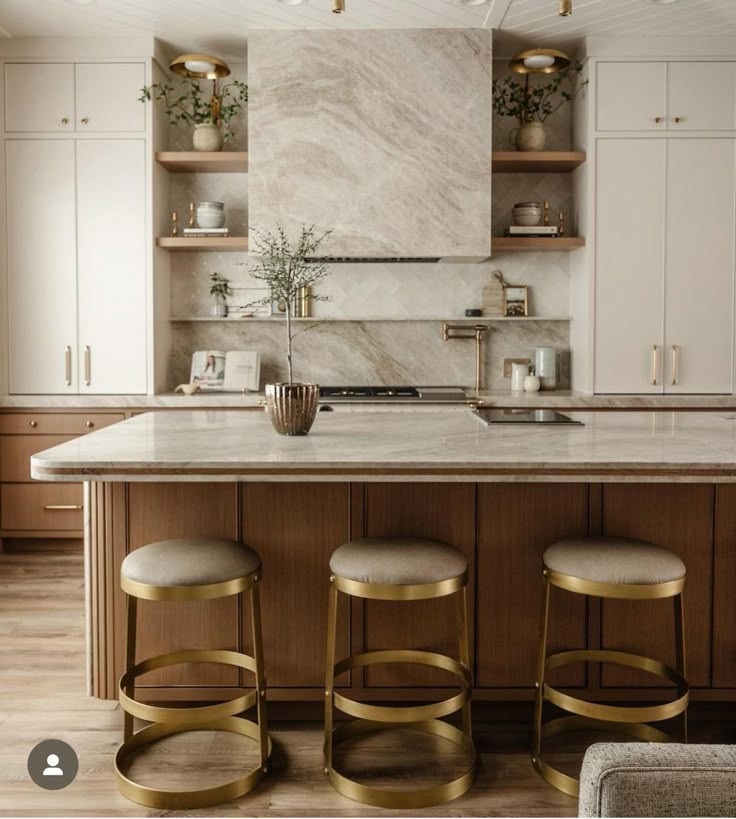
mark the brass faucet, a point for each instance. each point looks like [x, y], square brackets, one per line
[452, 331]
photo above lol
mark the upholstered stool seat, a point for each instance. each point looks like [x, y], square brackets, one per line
[400, 561]
[190, 562]
[614, 560]
[191, 569]
[611, 568]
[406, 569]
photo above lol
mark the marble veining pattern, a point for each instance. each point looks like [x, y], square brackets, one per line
[356, 131]
[245, 446]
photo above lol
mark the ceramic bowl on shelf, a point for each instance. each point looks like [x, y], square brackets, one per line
[211, 214]
[526, 216]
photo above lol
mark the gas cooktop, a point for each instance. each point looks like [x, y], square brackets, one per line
[437, 394]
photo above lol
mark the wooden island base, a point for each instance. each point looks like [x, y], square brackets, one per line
[503, 528]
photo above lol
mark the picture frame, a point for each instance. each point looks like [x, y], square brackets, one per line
[515, 301]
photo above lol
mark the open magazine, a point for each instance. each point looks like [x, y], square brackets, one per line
[218, 371]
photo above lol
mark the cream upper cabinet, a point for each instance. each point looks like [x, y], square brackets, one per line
[39, 97]
[699, 292]
[702, 97]
[666, 96]
[42, 266]
[107, 97]
[81, 97]
[631, 96]
[630, 248]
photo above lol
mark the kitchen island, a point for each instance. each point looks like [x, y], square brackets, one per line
[500, 494]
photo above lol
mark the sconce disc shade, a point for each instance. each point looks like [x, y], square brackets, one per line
[338, 6]
[539, 61]
[200, 66]
[565, 8]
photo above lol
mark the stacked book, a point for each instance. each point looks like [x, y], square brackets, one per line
[200, 232]
[535, 231]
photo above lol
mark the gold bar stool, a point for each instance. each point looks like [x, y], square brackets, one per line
[399, 569]
[614, 569]
[191, 569]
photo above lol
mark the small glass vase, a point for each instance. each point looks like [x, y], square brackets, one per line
[218, 308]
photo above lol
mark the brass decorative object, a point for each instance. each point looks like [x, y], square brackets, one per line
[629, 720]
[424, 718]
[174, 225]
[292, 407]
[167, 721]
[192, 217]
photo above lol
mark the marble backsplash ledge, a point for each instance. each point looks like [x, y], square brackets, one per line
[373, 352]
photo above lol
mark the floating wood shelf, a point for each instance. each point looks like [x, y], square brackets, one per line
[536, 161]
[509, 244]
[455, 319]
[205, 243]
[203, 161]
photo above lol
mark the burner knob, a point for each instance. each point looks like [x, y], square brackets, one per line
[344, 392]
[390, 392]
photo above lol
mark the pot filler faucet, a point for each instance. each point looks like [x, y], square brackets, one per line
[463, 331]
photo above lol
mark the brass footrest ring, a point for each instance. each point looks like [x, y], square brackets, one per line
[617, 713]
[188, 800]
[569, 784]
[417, 797]
[205, 713]
[402, 713]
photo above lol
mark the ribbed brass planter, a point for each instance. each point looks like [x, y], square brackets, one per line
[292, 407]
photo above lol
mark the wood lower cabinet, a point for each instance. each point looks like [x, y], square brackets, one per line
[502, 528]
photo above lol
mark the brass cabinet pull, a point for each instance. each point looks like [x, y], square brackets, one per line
[33, 424]
[678, 119]
[65, 121]
[675, 364]
[68, 365]
[654, 365]
[62, 507]
[85, 120]
[89, 424]
[87, 366]
[658, 119]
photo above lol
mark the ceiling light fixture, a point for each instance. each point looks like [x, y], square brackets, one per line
[338, 6]
[200, 67]
[539, 61]
[565, 8]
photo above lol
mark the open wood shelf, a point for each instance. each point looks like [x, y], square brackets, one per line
[203, 161]
[509, 244]
[536, 161]
[455, 319]
[204, 243]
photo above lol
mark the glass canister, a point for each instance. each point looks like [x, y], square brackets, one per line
[545, 366]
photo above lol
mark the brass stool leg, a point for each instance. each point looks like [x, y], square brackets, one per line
[130, 636]
[464, 653]
[255, 619]
[330, 671]
[680, 660]
[541, 661]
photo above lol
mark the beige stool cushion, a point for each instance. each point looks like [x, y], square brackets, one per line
[614, 560]
[196, 561]
[397, 561]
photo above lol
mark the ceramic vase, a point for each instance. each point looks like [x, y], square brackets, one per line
[207, 137]
[530, 137]
[292, 407]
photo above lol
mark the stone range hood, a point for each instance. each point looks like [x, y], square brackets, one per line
[382, 136]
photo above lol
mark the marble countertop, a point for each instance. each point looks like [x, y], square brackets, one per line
[364, 446]
[551, 399]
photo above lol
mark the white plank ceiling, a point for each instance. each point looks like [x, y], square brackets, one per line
[223, 24]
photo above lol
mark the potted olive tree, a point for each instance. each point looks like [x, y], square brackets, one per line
[209, 118]
[290, 270]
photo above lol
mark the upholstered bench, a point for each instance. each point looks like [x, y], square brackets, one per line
[658, 779]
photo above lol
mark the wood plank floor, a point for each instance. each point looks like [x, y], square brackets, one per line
[42, 695]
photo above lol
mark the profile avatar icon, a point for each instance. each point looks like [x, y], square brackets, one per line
[53, 769]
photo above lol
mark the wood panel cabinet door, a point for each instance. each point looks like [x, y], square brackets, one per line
[107, 97]
[111, 195]
[42, 266]
[631, 96]
[702, 96]
[630, 259]
[678, 517]
[516, 523]
[724, 586]
[39, 97]
[701, 240]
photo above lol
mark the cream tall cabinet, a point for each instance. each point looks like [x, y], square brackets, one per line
[77, 228]
[664, 284]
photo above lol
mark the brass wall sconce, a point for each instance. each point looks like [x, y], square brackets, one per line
[203, 67]
[565, 8]
[338, 6]
[539, 61]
